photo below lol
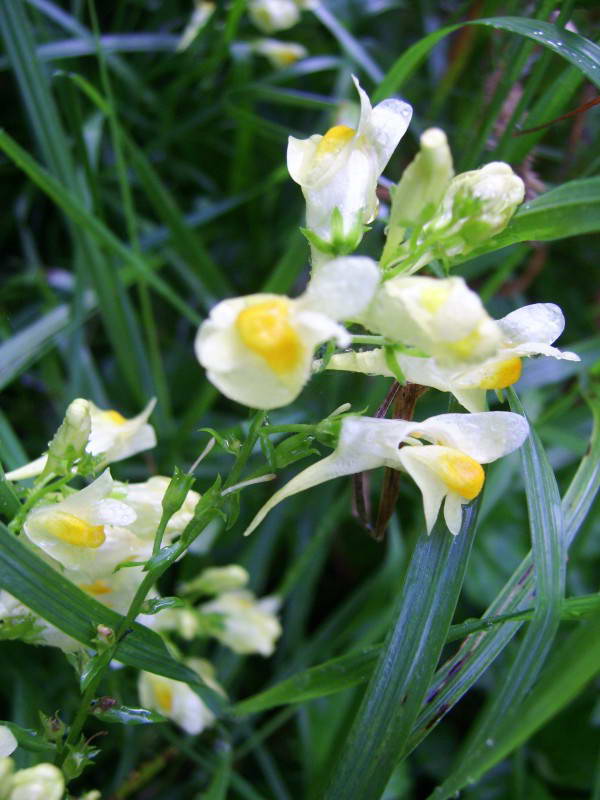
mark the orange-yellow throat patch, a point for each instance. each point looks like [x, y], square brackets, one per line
[115, 417]
[461, 473]
[266, 330]
[502, 374]
[73, 530]
[335, 140]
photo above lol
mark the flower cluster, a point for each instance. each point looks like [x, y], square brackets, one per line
[431, 331]
[100, 538]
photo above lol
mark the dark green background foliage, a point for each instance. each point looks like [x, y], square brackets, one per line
[173, 194]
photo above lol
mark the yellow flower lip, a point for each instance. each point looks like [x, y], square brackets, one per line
[164, 696]
[335, 140]
[461, 473]
[463, 348]
[502, 374]
[73, 530]
[434, 297]
[115, 417]
[266, 330]
[96, 588]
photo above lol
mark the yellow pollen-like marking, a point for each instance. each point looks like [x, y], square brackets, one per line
[434, 297]
[461, 473]
[503, 374]
[463, 348]
[72, 530]
[115, 417]
[164, 697]
[335, 140]
[96, 588]
[265, 329]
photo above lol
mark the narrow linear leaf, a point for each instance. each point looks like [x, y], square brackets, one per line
[406, 664]
[548, 548]
[573, 47]
[58, 601]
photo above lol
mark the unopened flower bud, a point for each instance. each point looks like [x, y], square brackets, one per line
[280, 54]
[476, 205]
[216, 580]
[420, 189]
[43, 782]
[273, 15]
[71, 438]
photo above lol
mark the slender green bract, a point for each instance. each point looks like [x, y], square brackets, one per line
[406, 664]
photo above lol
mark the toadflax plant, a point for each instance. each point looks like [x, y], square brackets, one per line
[392, 339]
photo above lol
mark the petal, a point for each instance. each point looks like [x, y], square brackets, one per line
[8, 743]
[539, 322]
[432, 488]
[453, 512]
[541, 349]
[300, 154]
[365, 443]
[342, 288]
[382, 126]
[485, 436]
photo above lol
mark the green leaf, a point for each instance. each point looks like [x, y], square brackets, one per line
[155, 604]
[549, 556]
[406, 664]
[576, 49]
[58, 601]
[127, 716]
[569, 210]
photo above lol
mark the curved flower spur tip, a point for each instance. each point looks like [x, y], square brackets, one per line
[531, 330]
[364, 443]
[342, 288]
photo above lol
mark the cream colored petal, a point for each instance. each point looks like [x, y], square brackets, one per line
[342, 288]
[485, 436]
[541, 349]
[414, 461]
[389, 122]
[539, 322]
[474, 400]
[453, 512]
[116, 441]
[8, 743]
[300, 155]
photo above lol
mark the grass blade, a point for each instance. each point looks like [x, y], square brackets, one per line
[579, 51]
[549, 550]
[406, 664]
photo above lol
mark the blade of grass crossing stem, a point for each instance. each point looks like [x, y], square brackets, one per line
[460, 672]
[548, 548]
[404, 669]
[579, 51]
[356, 667]
[119, 317]
[61, 603]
